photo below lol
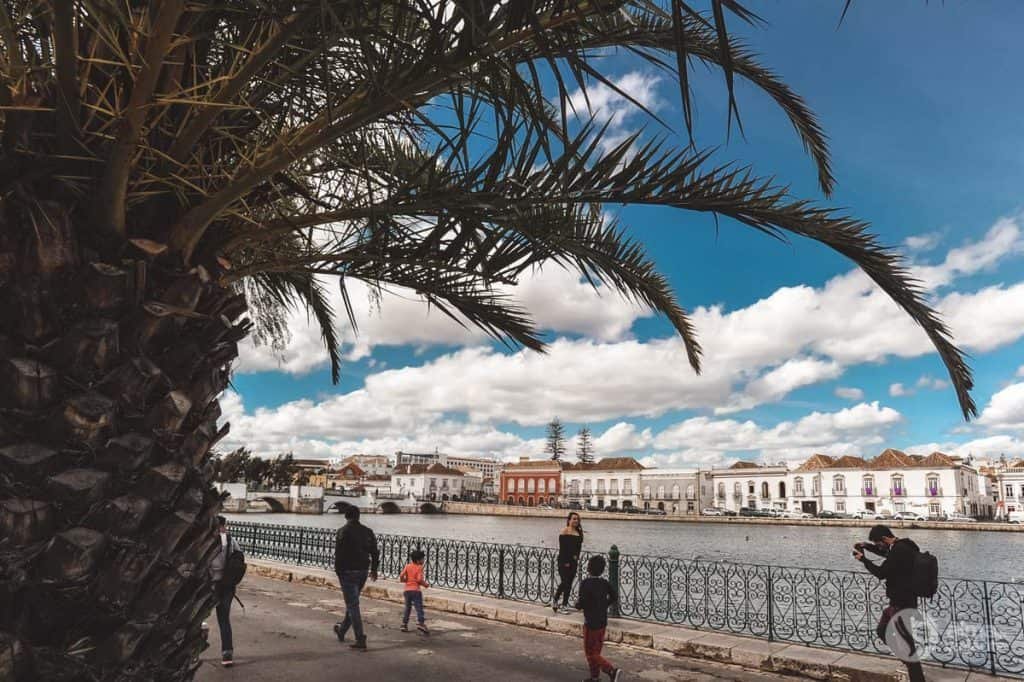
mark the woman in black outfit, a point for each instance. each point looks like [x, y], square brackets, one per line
[570, 543]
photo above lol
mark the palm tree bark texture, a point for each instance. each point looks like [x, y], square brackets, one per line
[175, 176]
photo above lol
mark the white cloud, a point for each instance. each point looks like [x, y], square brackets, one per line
[1002, 239]
[899, 390]
[622, 438]
[1020, 371]
[1005, 410]
[923, 242]
[932, 383]
[607, 106]
[849, 393]
[782, 380]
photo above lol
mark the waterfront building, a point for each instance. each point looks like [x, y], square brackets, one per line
[434, 482]
[487, 466]
[345, 477]
[531, 482]
[674, 491]
[1010, 488]
[746, 484]
[372, 465]
[472, 485]
[935, 485]
[611, 482]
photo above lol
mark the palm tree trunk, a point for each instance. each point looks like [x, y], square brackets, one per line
[109, 372]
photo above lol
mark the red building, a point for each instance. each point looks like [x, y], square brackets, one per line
[531, 482]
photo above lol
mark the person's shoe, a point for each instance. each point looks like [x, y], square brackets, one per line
[227, 659]
[405, 627]
[554, 608]
[615, 675]
[340, 630]
[359, 644]
[422, 627]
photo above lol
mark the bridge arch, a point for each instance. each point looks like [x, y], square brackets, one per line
[428, 508]
[390, 508]
[274, 504]
[341, 506]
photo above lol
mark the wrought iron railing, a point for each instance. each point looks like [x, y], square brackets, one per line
[971, 623]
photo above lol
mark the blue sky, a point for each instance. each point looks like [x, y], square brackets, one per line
[923, 115]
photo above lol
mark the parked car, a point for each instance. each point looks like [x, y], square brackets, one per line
[711, 511]
[961, 518]
[574, 505]
[747, 511]
[794, 514]
[634, 510]
[727, 512]
[868, 514]
[828, 514]
[908, 516]
[656, 512]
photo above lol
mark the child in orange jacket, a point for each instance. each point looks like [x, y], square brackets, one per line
[412, 576]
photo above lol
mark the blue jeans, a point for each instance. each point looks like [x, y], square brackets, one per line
[413, 598]
[352, 583]
[224, 597]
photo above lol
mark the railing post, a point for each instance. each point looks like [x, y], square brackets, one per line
[988, 630]
[613, 578]
[771, 607]
[302, 543]
[501, 572]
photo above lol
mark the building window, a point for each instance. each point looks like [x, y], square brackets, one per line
[586, 487]
[613, 486]
[627, 486]
[840, 506]
[901, 507]
[737, 490]
[750, 487]
[511, 485]
[765, 492]
[934, 509]
[661, 492]
[839, 485]
[689, 491]
[647, 492]
[1021, 491]
[521, 485]
[552, 485]
[897, 485]
[600, 486]
[815, 485]
[932, 485]
[869, 486]
[531, 485]
[782, 490]
[798, 486]
[541, 486]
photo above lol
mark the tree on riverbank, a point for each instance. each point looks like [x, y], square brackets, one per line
[556, 439]
[177, 175]
[584, 446]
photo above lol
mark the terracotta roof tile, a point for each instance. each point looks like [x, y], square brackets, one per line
[816, 462]
[607, 464]
[744, 465]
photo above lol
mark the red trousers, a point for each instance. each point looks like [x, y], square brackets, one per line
[593, 640]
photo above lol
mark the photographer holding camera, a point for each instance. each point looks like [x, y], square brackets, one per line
[898, 571]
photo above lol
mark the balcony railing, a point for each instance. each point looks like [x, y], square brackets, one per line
[799, 493]
[898, 492]
[933, 492]
[839, 493]
[971, 623]
[867, 492]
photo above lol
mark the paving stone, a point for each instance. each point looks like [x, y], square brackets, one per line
[752, 653]
[802, 660]
[488, 611]
[531, 620]
[676, 642]
[506, 615]
[862, 668]
[712, 646]
[565, 625]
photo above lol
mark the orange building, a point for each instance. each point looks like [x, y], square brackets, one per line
[531, 482]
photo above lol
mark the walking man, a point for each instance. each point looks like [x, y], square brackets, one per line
[897, 571]
[223, 572]
[355, 557]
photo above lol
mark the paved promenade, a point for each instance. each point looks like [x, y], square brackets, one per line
[285, 634]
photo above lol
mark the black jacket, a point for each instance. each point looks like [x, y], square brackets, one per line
[355, 549]
[596, 595]
[569, 547]
[897, 571]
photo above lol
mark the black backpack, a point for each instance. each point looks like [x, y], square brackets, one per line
[234, 566]
[924, 579]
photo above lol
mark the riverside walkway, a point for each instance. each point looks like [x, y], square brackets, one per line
[285, 634]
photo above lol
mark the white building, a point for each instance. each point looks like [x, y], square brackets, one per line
[487, 466]
[935, 485]
[674, 491]
[1010, 487]
[745, 484]
[610, 482]
[433, 482]
[372, 465]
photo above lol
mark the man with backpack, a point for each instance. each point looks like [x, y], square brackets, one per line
[226, 571]
[355, 558]
[909, 575]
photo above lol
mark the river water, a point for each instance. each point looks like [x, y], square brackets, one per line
[978, 555]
